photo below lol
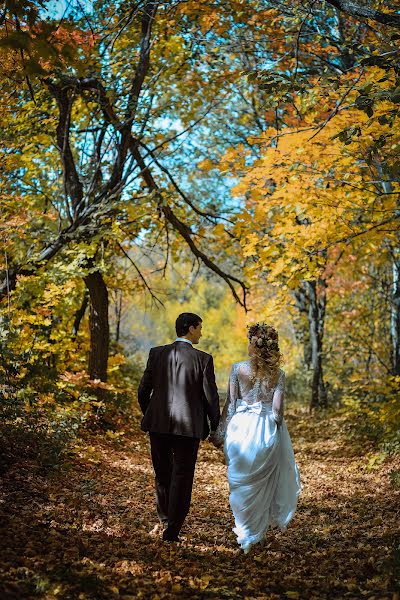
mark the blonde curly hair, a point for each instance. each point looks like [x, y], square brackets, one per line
[267, 356]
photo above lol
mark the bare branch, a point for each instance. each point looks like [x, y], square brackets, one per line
[146, 285]
[337, 106]
[209, 216]
[184, 230]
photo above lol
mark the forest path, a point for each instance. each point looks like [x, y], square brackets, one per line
[83, 532]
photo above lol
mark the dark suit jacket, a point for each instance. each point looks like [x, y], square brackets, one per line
[178, 391]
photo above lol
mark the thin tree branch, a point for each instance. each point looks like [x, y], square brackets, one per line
[184, 230]
[338, 105]
[148, 288]
[209, 216]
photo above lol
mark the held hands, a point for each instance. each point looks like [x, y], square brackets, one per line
[215, 440]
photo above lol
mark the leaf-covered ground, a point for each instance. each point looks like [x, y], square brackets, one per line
[82, 532]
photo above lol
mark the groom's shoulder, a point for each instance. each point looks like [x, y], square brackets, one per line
[203, 355]
[156, 349]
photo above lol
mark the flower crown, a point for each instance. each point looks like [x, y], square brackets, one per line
[263, 336]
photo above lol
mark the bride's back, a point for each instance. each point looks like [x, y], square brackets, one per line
[249, 389]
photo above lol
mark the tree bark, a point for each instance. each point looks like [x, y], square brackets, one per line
[301, 325]
[395, 312]
[98, 325]
[80, 313]
[394, 250]
[361, 11]
[316, 321]
[118, 315]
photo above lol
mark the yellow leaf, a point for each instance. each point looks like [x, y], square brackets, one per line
[204, 581]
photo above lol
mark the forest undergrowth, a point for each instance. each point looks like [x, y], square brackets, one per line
[81, 531]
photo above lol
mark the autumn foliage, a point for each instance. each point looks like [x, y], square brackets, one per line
[238, 159]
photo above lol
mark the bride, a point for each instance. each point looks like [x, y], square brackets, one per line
[263, 477]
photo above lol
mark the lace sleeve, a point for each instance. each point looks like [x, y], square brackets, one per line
[277, 401]
[229, 409]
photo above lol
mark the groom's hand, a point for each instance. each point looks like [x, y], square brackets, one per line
[215, 441]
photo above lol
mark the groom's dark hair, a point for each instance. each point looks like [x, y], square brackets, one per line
[184, 321]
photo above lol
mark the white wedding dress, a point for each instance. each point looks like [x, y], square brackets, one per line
[263, 477]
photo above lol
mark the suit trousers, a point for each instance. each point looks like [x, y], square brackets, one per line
[174, 460]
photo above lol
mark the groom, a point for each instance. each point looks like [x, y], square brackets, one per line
[177, 394]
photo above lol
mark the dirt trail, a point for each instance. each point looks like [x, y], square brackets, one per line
[83, 532]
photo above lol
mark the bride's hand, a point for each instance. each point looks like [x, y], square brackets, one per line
[215, 441]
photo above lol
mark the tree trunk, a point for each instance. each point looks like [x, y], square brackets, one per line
[395, 312]
[316, 321]
[301, 326]
[395, 255]
[99, 326]
[395, 296]
[118, 314]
